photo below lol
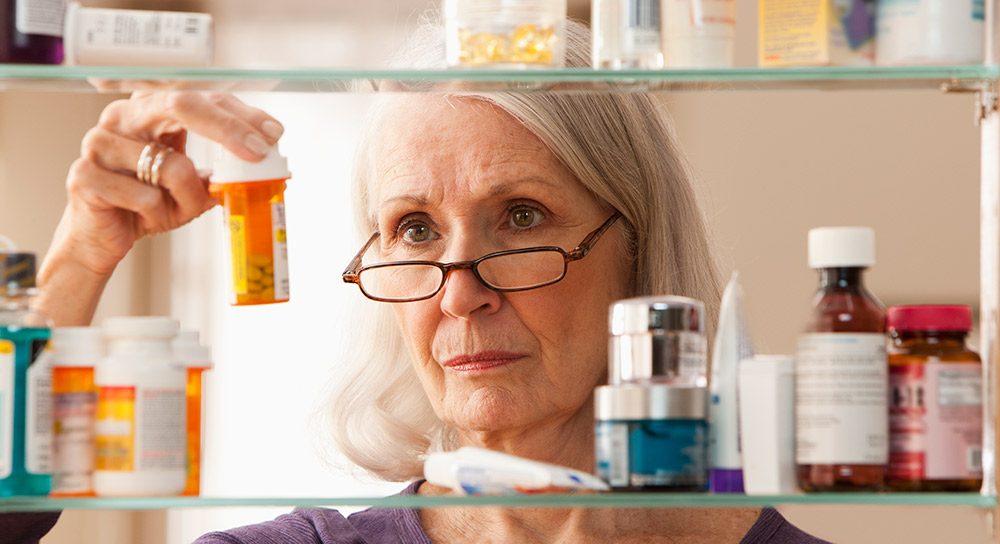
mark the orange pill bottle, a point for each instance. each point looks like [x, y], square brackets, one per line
[252, 195]
[75, 353]
[195, 359]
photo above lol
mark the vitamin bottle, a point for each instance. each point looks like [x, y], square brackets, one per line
[75, 353]
[25, 383]
[141, 425]
[253, 203]
[505, 33]
[31, 31]
[195, 359]
[841, 420]
[936, 400]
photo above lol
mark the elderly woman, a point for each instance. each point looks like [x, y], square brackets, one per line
[491, 349]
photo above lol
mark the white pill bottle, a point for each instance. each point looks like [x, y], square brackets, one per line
[910, 32]
[140, 432]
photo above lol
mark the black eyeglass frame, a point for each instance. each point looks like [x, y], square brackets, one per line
[354, 269]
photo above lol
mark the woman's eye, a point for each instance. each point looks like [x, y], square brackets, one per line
[524, 217]
[417, 232]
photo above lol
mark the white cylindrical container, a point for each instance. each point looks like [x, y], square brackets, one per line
[505, 33]
[698, 33]
[75, 353]
[929, 32]
[626, 34]
[767, 420]
[128, 37]
[141, 414]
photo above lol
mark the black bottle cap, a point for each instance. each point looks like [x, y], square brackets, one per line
[17, 272]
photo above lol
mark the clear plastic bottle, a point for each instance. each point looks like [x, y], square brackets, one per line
[841, 374]
[31, 31]
[505, 33]
[626, 34]
[25, 383]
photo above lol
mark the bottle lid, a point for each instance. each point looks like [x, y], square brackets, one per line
[17, 272]
[636, 402]
[656, 314]
[77, 346]
[229, 168]
[149, 327]
[837, 247]
[188, 351]
[929, 318]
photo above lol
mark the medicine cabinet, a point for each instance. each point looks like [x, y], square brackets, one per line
[978, 81]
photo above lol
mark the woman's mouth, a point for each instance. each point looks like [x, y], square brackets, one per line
[484, 360]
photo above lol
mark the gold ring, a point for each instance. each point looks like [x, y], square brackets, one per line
[154, 170]
[144, 168]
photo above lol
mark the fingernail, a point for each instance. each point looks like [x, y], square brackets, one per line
[273, 129]
[256, 144]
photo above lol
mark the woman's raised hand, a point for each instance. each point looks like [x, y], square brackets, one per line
[132, 179]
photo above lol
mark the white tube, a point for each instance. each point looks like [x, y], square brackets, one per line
[732, 344]
[477, 471]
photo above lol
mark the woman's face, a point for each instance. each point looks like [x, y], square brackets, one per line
[458, 179]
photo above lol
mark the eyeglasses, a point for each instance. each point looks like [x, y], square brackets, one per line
[504, 271]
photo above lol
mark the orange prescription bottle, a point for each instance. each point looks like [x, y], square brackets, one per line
[75, 353]
[935, 400]
[253, 203]
[194, 358]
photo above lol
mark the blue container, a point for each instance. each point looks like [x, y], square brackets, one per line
[652, 437]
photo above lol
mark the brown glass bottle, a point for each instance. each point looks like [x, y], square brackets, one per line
[841, 374]
[935, 401]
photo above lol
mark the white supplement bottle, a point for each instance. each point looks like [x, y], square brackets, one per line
[141, 411]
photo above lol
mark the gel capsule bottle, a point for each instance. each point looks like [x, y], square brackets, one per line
[253, 203]
[25, 383]
[841, 371]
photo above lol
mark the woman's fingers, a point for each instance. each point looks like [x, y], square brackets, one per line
[150, 116]
[176, 173]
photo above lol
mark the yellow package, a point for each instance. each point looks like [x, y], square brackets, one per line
[816, 32]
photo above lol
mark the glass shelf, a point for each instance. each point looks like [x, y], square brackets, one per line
[28, 77]
[620, 500]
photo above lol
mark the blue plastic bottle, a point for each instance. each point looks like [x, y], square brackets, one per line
[25, 383]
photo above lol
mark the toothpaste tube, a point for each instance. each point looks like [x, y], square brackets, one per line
[477, 471]
[732, 344]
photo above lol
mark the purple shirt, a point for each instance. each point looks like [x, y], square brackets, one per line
[402, 526]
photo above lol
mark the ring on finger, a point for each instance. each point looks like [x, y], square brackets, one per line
[143, 169]
[154, 170]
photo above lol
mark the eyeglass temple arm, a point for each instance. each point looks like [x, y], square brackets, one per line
[350, 274]
[592, 238]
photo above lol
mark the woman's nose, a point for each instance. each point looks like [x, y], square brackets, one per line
[464, 295]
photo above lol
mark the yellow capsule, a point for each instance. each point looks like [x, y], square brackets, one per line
[254, 273]
[267, 294]
[260, 260]
[267, 281]
[254, 287]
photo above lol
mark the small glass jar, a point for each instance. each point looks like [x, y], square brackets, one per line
[936, 401]
[505, 33]
[651, 437]
[658, 340]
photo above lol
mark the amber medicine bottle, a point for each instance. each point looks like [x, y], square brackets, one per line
[195, 359]
[841, 379]
[253, 204]
[935, 401]
[75, 353]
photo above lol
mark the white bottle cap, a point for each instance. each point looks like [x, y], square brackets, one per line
[229, 168]
[188, 351]
[832, 247]
[141, 327]
[77, 346]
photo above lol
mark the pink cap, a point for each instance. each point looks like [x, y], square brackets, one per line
[929, 318]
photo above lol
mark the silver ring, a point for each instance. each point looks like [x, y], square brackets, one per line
[154, 170]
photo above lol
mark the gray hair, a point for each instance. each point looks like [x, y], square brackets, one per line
[622, 148]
